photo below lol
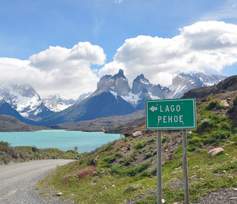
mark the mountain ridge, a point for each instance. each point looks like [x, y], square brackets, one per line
[114, 96]
[25, 100]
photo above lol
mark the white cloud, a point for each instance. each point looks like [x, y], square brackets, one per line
[83, 52]
[56, 70]
[206, 46]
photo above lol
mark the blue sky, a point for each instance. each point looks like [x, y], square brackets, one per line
[29, 26]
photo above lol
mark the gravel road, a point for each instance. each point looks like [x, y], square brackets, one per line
[17, 181]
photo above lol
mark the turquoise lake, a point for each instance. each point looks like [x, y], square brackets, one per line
[61, 139]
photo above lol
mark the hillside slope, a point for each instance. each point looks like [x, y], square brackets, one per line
[9, 123]
[108, 124]
[125, 171]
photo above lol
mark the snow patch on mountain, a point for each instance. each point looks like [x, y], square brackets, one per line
[22, 98]
[132, 98]
[56, 103]
[184, 82]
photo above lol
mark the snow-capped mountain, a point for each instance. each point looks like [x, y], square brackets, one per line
[141, 89]
[114, 96]
[117, 83]
[56, 103]
[25, 100]
[144, 90]
[83, 97]
[118, 86]
[184, 82]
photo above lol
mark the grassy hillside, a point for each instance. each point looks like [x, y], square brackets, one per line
[124, 171]
[20, 154]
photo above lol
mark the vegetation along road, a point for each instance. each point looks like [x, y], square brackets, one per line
[18, 181]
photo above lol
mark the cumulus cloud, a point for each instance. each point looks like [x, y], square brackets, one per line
[83, 52]
[56, 70]
[206, 46]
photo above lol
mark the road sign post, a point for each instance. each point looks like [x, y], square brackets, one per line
[159, 164]
[177, 114]
[185, 168]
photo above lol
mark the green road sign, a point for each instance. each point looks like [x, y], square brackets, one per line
[171, 114]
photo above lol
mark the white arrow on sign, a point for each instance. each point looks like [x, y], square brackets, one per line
[153, 108]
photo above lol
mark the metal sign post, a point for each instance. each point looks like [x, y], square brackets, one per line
[171, 114]
[159, 169]
[185, 168]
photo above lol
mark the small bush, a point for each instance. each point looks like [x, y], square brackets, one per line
[132, 188]
[226, 167]
[214, 105]
[225, 126]
[4, 146]
[194, 143]
[217, 137]
[139, 145]
[109, 159]
[35, 149]
[234, 139]
[129, 171]
[205, 125]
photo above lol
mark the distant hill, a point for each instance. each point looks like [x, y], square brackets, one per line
[108, 124]
[9, 123]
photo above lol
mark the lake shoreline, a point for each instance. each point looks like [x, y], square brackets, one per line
[60, 139]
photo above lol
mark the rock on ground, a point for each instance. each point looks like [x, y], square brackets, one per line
[216, 151]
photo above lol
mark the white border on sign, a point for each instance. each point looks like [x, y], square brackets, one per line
[173, 128]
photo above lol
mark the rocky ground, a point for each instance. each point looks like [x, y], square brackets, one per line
[223, 196]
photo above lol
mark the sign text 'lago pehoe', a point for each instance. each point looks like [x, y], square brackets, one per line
[171, 114]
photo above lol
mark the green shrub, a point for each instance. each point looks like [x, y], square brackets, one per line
[129, 171]
[4, 146]
[234, 139]
[225, 126]
[139, 145]
[217, 137]
[214, 105]
[194, 143]
[35, 149]
[205, 125]
[127, 160]
[109, 159]
[230, 166]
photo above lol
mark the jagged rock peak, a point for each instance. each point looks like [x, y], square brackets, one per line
[117, 83]
[120, 74]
